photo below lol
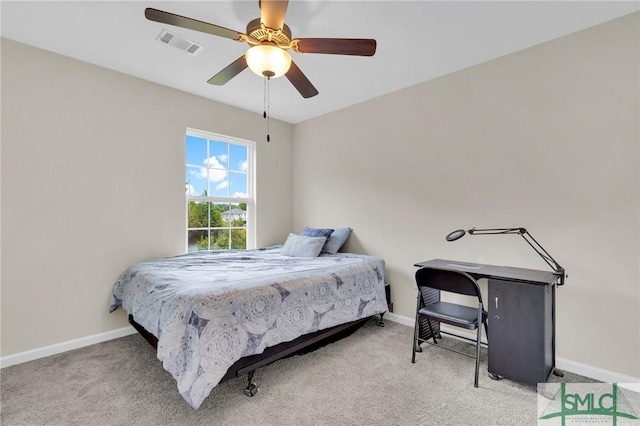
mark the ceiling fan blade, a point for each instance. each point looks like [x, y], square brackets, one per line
[273, 12]
[233, 69]
[337, 46]
[301, 82]
[189, 23]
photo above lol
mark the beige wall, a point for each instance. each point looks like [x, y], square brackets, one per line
[93, 180]
[546, 138]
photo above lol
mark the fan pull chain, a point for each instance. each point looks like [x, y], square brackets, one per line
[266, 114]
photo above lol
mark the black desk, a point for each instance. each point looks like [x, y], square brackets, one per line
[521, 309]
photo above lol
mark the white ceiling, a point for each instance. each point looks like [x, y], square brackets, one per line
[417, 41]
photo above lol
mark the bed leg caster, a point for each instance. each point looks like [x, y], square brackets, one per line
[381, 322]
[251, 388]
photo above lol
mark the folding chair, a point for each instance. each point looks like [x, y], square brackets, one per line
[449, 313]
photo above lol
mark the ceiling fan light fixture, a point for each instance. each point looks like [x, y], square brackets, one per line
[268, 60]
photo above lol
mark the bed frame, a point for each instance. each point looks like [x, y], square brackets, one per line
[302, 344]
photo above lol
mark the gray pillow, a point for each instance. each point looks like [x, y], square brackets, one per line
[301, 246]
[318, 232]
[337, 239]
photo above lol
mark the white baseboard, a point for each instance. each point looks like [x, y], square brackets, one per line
[46, 351]
[561, 363]
[400, 319]
[597, 373]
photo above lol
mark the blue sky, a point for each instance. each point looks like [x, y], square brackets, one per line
[220, 168]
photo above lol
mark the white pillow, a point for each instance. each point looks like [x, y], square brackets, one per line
[301, 246]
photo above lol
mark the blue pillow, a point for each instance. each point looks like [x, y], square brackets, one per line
[336, 240]
[318, 232]
[300, 246]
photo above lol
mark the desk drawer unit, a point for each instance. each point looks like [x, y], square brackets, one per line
[520, 331]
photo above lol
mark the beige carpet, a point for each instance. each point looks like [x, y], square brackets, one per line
[365, 379]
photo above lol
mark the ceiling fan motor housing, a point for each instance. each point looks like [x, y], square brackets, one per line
[280, 37]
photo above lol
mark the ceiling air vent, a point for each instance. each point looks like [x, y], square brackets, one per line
[181, 43]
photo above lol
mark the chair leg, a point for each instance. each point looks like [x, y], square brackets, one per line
[433, 335]
[479, 340]
[475, 383]
[415, 342]
[486, 330]
[416, 328]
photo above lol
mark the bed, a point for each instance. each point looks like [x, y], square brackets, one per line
[215, 315]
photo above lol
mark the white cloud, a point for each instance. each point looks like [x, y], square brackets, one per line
[216, 169]
[213, 162]
[223, 184]
[239, 195]
[189, 189]
[217, 175]
[243, 165]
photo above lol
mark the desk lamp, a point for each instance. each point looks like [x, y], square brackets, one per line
[559, 270]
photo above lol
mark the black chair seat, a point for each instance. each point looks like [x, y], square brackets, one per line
[451, 313]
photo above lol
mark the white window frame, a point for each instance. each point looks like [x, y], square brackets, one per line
[249, 201]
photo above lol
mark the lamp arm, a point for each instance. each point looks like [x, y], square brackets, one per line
[493, 231]
[545, 255]
[559, 270]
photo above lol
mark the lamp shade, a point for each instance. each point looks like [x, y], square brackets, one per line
[268, 60]
[457, 234]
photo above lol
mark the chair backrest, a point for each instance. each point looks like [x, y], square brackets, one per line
[448, 280]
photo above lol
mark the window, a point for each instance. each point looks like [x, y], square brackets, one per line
[219, 192]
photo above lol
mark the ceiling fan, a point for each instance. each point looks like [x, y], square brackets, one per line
[269, 38]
